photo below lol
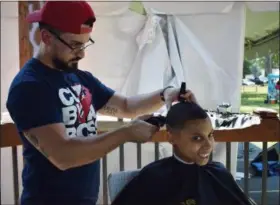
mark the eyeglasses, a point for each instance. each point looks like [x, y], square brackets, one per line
[73, 48]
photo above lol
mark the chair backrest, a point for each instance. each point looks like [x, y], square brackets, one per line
[117, 181]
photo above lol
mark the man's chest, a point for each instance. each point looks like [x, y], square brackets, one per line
[78, 113]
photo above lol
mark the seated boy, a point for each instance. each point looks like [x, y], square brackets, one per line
[186, 178]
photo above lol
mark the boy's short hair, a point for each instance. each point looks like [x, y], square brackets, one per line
[182, 112]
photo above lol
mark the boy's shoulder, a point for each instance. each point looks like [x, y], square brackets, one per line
[218, 169]
[158, 168]
[217, 165]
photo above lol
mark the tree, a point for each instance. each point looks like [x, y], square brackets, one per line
[260, 62]
[275, 60]
[256, 70]
[246, 67]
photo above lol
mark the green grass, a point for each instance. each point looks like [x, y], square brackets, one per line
[253, 97]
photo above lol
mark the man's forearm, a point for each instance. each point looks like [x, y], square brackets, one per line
[65, 152]
[145, 103]
[80, 150]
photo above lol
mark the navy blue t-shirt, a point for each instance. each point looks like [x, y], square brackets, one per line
[39, 96]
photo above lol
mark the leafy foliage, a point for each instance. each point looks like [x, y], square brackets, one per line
[247, 67]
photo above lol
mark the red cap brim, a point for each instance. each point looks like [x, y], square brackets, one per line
[34, 16]
[85, 29]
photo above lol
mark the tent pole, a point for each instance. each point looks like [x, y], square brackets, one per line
[25, 47]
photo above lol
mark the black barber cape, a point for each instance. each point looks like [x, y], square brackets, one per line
[171, 182]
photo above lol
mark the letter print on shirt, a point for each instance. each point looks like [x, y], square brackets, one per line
[79, 115]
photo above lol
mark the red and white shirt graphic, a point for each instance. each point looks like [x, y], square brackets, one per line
[78, 112]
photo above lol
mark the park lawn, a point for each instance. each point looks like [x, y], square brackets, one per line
[253, 97]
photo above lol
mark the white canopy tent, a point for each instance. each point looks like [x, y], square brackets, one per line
[201, 43]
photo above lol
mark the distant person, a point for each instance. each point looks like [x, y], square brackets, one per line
[277, 86]
[186, 178]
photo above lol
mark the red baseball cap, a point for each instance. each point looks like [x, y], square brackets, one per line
[65, 16]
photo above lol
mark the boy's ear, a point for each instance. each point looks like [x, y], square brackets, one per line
[170, 137]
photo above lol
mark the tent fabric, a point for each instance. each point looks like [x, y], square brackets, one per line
[181, 7]
[203, 60]
[263, 6]
[204, 7]
[151, 60]
[9, 48]
[189, 8]
[207, 56]
[174, 55]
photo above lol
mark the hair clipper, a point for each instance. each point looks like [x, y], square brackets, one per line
[182, 91]
[158, 121]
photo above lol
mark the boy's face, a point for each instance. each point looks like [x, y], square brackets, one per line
[194, 143]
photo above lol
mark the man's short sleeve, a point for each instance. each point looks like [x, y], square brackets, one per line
[32, 104]
[101, 93]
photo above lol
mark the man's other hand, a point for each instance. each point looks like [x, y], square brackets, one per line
[172, 94]
[140, 131]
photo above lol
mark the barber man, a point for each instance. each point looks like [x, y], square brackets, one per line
[54, 107]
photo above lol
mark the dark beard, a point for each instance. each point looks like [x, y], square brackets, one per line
[64, 66]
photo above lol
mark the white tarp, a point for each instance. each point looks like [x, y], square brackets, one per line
[9, 47]
[150, 61]
[182, 7]
[206, 7]
[212, 62]
[208, 57]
